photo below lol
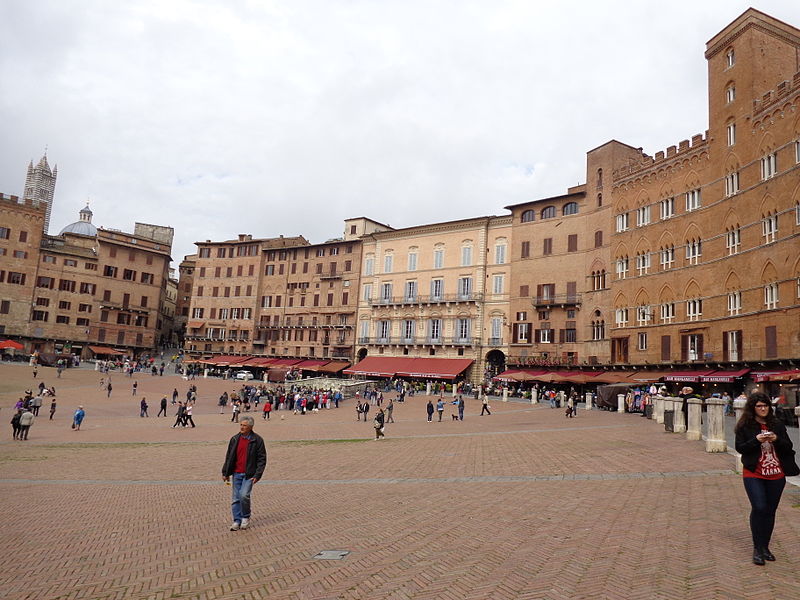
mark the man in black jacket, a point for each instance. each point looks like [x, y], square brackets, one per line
[245, 462]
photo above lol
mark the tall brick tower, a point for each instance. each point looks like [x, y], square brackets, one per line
[40, 186]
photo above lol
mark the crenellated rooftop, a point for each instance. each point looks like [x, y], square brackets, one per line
[773, 97]
[684, 149]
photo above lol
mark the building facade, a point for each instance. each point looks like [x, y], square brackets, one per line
[85, 286]
[706, 242]
[437, 290]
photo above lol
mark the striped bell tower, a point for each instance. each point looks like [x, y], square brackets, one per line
[40, 186]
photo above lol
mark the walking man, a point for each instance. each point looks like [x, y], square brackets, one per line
[25, 422]
[163, 407]
[485, 406]
[389, 410]
[109, 388]
[440, 408]
[245, 462]
[143, 408]
[135, 385]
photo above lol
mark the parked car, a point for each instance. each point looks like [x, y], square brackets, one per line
[243, 375]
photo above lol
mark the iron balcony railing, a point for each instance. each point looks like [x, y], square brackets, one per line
[557, 299]
[425, 299]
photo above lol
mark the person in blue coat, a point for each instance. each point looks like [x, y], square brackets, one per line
[77, 418]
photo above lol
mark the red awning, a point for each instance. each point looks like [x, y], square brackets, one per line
[431, 368]
[375, 366]
[194, 324]
[648, 376]
[105, 350]
[10, 345]
[226, 361]
[284, 362]
[724, 376]
[762, 376]
[255, 361]
[310, 365]
[786, 376]
[333, 367]
[434, 368]
[687, 376]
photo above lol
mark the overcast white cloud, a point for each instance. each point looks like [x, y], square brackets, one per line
[219, 118]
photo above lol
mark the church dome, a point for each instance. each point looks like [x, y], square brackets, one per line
[83, 226]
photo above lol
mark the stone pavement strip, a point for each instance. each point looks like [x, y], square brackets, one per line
[521, 504]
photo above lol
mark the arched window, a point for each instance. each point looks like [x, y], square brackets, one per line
[570, 208]
[599, 199]
[548, 212]
[598, 239]
[599, 179]
[528, 216]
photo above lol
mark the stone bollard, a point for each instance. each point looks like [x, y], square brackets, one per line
[534, 396]
[738, 407]
[428, 389]
[505, 394]
[658, 409]
[715, 436]
[620, 403]
[587, 397]
[694, 429]
[678, 422]
[205, 373]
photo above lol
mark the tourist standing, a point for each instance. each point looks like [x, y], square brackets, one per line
[52, 408]
[767, 458]
[378, 424]
[245, 462]
[143, 408]
[429, 410]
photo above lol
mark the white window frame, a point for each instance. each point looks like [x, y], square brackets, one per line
[643, 263]
[437, 294]
[386, 291]
[693, 200]
[383, 330]
[412, 261]
[411, 291]
[367, 292]
[500, 254]
[731, 184]
[643, 216]
[694, 250]
[463, 329]
[731, 134]
[667, 206]
[769, 166]
[523, 333]
[643, 315]
[733, 344]
[694, 309]
[667, 312]
[498, 284]
[546, 336]
[623, 265]
[438, 258]
[733, 240]
[466, 256]
[769, 228]
[369, 265]
[667, 257]
[388, 262]
[622, 222]
[730, 94]
[435, 330]
[734, 303]
[641, 340]
[771, 295]
[692, 344]
[621, 317]
[465, 288]
[409, 330]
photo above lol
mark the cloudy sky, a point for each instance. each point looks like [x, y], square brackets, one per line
[219, 118]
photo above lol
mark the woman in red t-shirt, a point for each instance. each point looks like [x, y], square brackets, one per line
[767, 458]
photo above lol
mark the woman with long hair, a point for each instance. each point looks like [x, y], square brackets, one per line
[767, 458]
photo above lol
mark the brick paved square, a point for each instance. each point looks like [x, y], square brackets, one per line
[519, 504]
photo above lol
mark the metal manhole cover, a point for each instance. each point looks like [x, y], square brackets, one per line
[331, 554]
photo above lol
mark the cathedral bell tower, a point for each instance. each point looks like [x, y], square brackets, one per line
[40, 186]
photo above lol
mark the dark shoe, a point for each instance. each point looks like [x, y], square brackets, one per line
[757, 558]
[767, 555]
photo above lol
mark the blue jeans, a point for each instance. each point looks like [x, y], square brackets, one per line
[764, 496]
[240, 501]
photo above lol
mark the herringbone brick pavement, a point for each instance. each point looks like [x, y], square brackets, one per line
[521, 505]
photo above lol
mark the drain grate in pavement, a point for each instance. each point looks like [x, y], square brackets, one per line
[331, 554]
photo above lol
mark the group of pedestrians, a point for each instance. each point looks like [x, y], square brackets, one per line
[458, 403]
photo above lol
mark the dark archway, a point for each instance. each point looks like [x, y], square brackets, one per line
[362, 354]
[495, 363]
